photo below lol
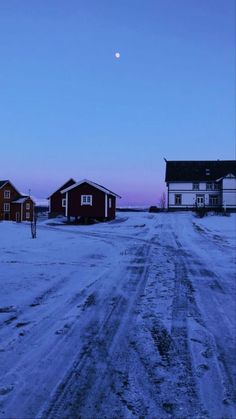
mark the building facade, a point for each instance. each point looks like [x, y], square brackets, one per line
[88, 199]
[13, 205]
[209, 184]
[57, 200]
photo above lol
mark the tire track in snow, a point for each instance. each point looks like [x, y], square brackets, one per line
[85, 385]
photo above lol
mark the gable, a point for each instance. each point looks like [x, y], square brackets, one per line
[67, 184]
[93, 184]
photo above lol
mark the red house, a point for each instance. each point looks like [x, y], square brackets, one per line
[13, 205]
[88, 199]
[57, 200]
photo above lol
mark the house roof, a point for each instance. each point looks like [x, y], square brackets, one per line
[62, 187]
[201, 170]
[22, 199]
[95, 185]
[3, 182]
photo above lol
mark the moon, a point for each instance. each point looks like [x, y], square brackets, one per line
[117, 55]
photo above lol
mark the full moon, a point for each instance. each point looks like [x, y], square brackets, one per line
[117, 55]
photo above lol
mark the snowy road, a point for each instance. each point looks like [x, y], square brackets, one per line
[128, 319]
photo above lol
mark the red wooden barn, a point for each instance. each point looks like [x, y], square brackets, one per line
[57, 200]
[88, 199]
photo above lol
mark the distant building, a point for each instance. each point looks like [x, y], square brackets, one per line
[210, 184]
[88, 199]
[13, 205]
[57, 200]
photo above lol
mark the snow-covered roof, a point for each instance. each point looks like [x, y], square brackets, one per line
[4, 182]
[22, 199]
[95, 185]
[62, 186]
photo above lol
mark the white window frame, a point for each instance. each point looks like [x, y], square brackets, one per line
[87, 200]
[196, 186]
[63, 202]
[6, 207]
[7, 194]
[27, 206]
[27, 215]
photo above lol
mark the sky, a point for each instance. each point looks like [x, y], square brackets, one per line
[70, 108]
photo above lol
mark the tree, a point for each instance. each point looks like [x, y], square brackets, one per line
[162, 202]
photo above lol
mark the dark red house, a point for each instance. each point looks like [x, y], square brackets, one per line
[13, 205]
[88, 199]
[57, 202]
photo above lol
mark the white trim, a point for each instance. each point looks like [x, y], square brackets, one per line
[110, 203]
[8, 192]
[86, 200]
[66, 204]
[63, 202]
[95, 185]
[27, 215]
[49, 205]
[6, 205]
[8, 181]
[21, 210]
[58, 190]
[106, 212]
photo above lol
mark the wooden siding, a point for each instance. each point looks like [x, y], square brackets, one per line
[56, 207]
[14, 194]
[96, 210]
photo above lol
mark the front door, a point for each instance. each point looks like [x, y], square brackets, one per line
[200, 201]
[17, 217]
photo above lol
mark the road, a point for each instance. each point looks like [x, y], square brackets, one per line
[151, 335]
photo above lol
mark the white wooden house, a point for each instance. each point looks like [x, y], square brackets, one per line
[210, 184]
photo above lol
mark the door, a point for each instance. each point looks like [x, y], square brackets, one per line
[200, 201]
[17, 217]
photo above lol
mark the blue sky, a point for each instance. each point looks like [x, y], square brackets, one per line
[69, 108]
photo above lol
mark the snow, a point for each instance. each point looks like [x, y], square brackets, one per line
[130, 318]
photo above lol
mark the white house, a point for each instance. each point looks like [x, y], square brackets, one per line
[210, 184]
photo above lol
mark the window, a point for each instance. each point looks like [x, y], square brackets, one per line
[212, 186]
[110, 202]
[200, 201]
[86, 200]
[63, 203]
[27, 206]
[27, 215]
[7, 194]
[196, 186]
[178, 199]
[213, 200]
[6, 207]
[207, 172]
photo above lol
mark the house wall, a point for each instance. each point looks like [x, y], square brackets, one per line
[99, 202]
[19, 210]
[55, 204]
[189, 196]
[55, 200]
[229, 193]
[13, 195]
[112, 210]
[75, 209]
